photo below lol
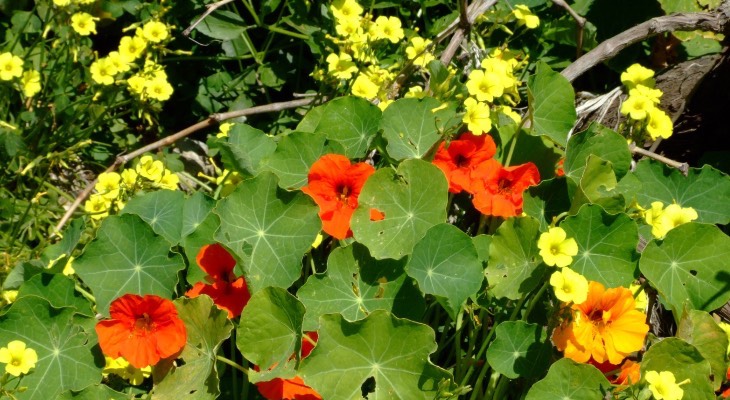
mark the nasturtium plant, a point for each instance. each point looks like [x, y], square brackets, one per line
[551, 99]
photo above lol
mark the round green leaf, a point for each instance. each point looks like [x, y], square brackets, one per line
[599, 141]
[244, 149]
[351, 121]
[685, 362]
[207, 327]
[515, 266]
[270, 331]
[690, 266]
[162, 210]
[546, 201]
[569, 380]
[63, 342]
[520, 350]
[196, 210]
[552, 104]
[410, 127]
[58, 290]
[606, 245]
[127, 257]
[269, 229]
[413, 199]
[706, 189]
[294, 155]
[357, 284]
[699, 329]
[596, 186]
[393, 351]
[445, 264]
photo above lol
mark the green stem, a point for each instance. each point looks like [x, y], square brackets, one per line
[234, 378]
[296, 35]
[457, 343]
[535, 300]
[85, 293]
[231, 363]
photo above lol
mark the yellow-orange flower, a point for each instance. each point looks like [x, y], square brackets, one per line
[605, 327]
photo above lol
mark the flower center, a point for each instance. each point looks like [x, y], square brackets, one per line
[16, 362]
[342, 193]
[144, 323]
[505, 186]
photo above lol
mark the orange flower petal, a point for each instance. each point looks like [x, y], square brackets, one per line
[216, 261]
[461, 157]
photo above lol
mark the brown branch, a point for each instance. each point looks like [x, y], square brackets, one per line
[681, 166]
[579, 20]
[715, 21]
[211, 120]
[459, 29]
[211, 7]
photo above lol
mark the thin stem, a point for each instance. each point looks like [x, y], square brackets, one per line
[535, 300]
[85, 293]
[276, 29]
[232, 364]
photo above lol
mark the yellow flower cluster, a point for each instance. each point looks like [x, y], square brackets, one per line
[663, 385]
[125, 370]
[494, 81]
[19, 359]
[525, 17]
[11, 68]
[642, 104]
[557, 249]
[149, 82]
[662, 219]
[113, 189]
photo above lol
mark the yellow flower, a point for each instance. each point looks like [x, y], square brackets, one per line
[387, 28]
[150, 168]
[136, 84]
[155, 31]
[125, 370]
[68, 269]
[637, 107]
[10, 66]
[640, 298]
[120, 63]
[107, 184]
[569, 286]
[663, 385]
[417, 51]
[61, 3]
[129, 178]
[502, 69]
[556, 248]
[659, 125]
[484, 86]
[415, 92]
[525, 16]
[652, 94]
[31, 83]
[10, 295]
[158, 89]
[637, 75]
[671, 217]
[131, 47]
[476, 117]
[83, 23]
[341, 67]
[317, 240]
[364, 87]
[169, 180]
[509, 112]
[98, 206]
[346, 9]
[379, 76]
[18, 357]
[103, 71]
[225, 128]
[384, 104]
[349, 28]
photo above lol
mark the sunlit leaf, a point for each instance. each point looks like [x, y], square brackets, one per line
[410, 127]
[162, 210]
[685, 362]
[552, 104]
[699, 329]
[569, 380]
[515, 266]
[351, 121]
[520, 350]
[58, 290]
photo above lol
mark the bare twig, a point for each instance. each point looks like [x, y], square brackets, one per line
[211, 7]
[715, 21]
[579, 20]
[476, 9]
[211, 120]
[682, 166]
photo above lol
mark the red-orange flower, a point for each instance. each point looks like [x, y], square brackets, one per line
[630, 373]
[143, 330]
[559, 168]
[228, 292]
[461, 157]
[606, 327]
[499, 190]
[335, 185]
[292, 389]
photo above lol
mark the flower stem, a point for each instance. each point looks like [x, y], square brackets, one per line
[232, 364]
[535, 300]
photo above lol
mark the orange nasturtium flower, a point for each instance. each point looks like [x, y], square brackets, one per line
[143, 330]
[461, 157]
[499, 189]
[605, 327]
[292, 389]
[335, 184]
[228, 292]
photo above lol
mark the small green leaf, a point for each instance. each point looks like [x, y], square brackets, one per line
[63, 341]
[569, 380]
[58, 290]
[127, 257]
[245, 148]
[351, 121]
[357, 284]
[520, 350]
[270, 332]
[413, 199]
[222, 25]
[195, 211]
[597, 186]
[606, 246]
[546, 201]
[269, 229]
[515, 266]
[294, 155]
[599, 141]
[445, 264]
[410, 127]
[394, 351]
[706, 190]
[699, 329]
[552, 104]
[685, 362]
[60, 252]
[689, 266]
[207, 327]
[162, 210]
